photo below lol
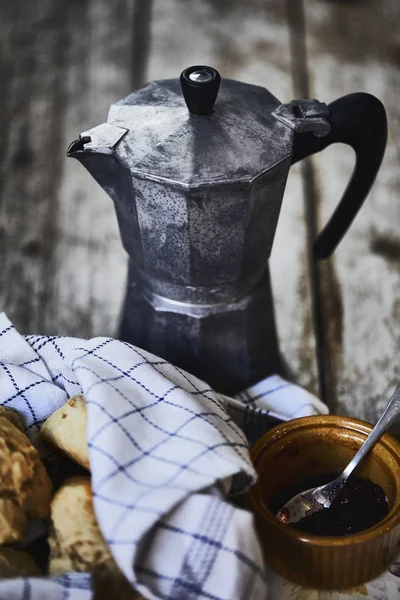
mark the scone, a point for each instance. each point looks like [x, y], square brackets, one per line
[25, 488]
[65, 429]
[12, 416]
[76, 542]
[15, 563]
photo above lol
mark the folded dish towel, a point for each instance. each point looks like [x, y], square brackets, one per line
[165, 453]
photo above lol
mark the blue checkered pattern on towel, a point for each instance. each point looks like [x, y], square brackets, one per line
[76, 586]
[165, 451]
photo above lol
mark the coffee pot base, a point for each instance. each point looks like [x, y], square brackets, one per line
[231, 346]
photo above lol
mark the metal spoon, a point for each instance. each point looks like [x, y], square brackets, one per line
[315, 499]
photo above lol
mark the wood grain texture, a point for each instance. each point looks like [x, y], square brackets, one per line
[356, 47]
[63, 268]
[301, 85]
[250, 42]
[91, 265]
[30, 161]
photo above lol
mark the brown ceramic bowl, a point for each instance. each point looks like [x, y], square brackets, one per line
[302, 448]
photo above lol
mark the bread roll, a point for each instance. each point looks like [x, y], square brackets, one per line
[12, 416]
[76, 542]
[65, 429]
[12, 520]
[25, 488]
[15, 563]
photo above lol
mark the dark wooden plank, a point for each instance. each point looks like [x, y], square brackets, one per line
[31, 104]
[301, 84]
[63, 63]
[250, 42]
[91, 265]
[354, 46]
[140, 41]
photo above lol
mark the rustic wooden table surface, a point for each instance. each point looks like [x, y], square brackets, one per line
[63, 269]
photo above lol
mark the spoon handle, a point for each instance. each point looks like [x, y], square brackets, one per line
[389, 415]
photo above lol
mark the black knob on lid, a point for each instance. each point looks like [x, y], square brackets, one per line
[200, 85]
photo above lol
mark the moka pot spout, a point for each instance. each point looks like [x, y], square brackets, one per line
[95, 151]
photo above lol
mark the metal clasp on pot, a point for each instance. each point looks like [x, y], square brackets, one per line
[305, 116]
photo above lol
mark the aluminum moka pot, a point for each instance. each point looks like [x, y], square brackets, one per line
[197, 168]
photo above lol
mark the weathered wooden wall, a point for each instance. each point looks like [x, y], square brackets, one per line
[62, 265]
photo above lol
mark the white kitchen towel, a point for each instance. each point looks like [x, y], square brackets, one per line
[165, 452]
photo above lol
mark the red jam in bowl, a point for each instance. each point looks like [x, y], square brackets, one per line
[360, 505]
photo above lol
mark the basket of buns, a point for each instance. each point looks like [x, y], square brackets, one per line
[47, 520]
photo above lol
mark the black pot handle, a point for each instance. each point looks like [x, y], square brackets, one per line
[358, 120]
